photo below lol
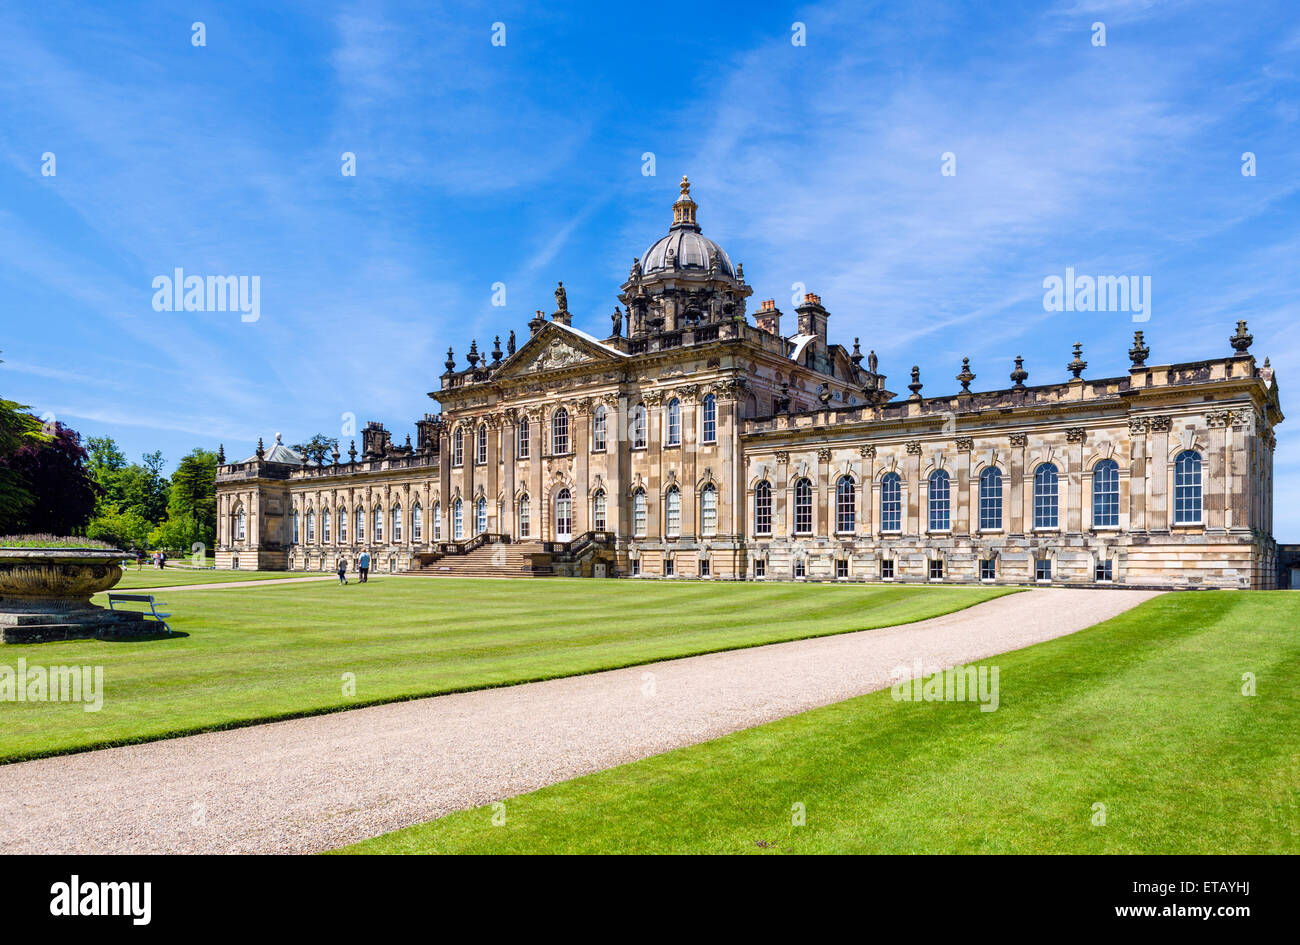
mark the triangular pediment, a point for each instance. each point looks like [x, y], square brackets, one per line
[554, 348]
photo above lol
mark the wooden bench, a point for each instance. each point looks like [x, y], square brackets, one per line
[142, 599]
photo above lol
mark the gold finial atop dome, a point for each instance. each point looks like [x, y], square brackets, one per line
[684, 208]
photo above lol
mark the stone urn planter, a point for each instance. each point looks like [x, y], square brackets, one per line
[45, 594]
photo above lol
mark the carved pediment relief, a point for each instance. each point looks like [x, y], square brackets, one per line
[555, 355]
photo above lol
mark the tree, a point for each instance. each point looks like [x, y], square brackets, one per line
[62, 489]
[18, 429]
[193, 497]
[105, 459]
[124, 529]
[317, 448]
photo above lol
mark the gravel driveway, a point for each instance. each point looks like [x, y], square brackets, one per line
[316, 783]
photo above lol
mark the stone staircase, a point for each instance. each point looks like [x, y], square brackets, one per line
[491, 560]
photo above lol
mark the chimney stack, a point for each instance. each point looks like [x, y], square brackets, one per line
[768, 317]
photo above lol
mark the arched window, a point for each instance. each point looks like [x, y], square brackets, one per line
[598, 429]
[343, 526]
[674, 422]
[891, 502]
[1187, 488]
[360, 519]
[1045, 506]
[378, 531]
[311, 525]
[524, 427]
[397, 522]
[457, 520]
[709, 423]
[803, 507]
[241, 524]
[560, 432]
[294, 539]
[437, 521]
[673, 513]
[709, 511]
[991, 498]
[763, 508]
[525, 516]
[845, 505]
[598, 510]
[564, 515]
[480, 448]
[325, 526]
[940, 501]
[458, 447]
[1105, 494]
[480, 516]
[638, 427]
[639, 516]
[417, 522]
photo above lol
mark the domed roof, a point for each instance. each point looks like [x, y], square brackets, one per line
[685, 247]
[689, 249]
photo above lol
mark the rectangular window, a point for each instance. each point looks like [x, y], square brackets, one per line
[598, 431]
[936, 569]
[1105, 571]
[1042, 569]
[668, 567]
[636, 567]
[704, 567]
[841, 568]
[800, 569]
[763, 509]
[760, 568]
[522, 451]
[988, 570]
[886, 569]
[481, 448]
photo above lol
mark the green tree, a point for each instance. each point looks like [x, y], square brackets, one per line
[18, 429]
[124, 529]
[318, 448]
[193, 497]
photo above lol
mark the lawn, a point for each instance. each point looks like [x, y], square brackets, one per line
[1144, 714]
[276, 651]
[149, 576]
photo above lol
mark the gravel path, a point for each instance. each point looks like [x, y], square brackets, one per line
[204, 587]
[316, 783]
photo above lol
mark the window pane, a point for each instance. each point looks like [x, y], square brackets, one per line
[991, 498]
[803, 507]
[891, 503]
[763, 508]
[710, 419]
[845, 505]
[940, 517]
[1105, 494]
[1045, 483]
[1187, 488]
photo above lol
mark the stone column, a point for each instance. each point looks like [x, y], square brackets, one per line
[915, 524]
[823, 496]
[961, 519]
[1160, 515]
[1018, 525]
[868, 493]
[581, 443]
[509, 437]
[1074, 437]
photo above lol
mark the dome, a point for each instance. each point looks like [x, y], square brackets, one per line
[690, 250]
[685, 247]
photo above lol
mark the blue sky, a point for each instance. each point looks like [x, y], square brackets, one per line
[522, 164]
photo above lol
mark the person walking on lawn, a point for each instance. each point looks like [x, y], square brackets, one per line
[363, 565]
[343, 570]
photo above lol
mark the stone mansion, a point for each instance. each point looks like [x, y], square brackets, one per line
[701, 440]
